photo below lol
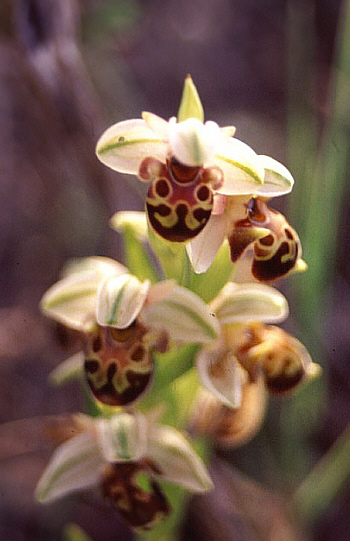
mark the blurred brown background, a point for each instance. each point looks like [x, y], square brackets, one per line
[68, 70]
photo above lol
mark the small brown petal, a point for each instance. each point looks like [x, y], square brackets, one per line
[283, 359]
[277, 247]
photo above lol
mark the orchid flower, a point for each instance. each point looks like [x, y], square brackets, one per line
[125, 456]
[248, 348]
[123, 322]
[187, 162]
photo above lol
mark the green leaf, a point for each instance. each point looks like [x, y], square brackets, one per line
[170, 254]
[137, 259]
[191, 105]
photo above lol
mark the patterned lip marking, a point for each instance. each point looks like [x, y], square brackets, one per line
[180, 199]
[118, 365]
[276, 253]
[140, 508]
[280, 359]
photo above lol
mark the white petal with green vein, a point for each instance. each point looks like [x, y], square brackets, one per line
[177, 460]
[75, 465]
[183, 315]
[124, 145]
[71, 301]
[249, 302]
[120, 300]
[277, 180]
[122, 437]
[242, 170]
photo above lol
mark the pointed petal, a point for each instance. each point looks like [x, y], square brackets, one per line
[122, 437]
[191, 105]
[228, 131]
[68, 370]
[242, 170]
[183, 315]
[71, 301]
[204, 247]
[221, 374]
[249, 302]
[277, 179]
[125, 144]
[120, 300]
[75, 465]
[193, 143]
[177, 460]
[157, 124]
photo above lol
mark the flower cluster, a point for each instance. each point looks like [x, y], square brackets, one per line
[149, 330]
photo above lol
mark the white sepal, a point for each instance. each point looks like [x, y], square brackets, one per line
[124, 145]
[122, 437]
[71, 368]
[220, 373]
[75, 465]
[177, 460]
[101, 266]
[242, 171]
[249, 302]
[120, 300]
[71, 301]
[277, 180]
[183, 315]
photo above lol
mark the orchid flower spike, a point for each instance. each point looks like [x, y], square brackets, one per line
[126, 456]
[123, 322]
[186, 162]
[248, 348]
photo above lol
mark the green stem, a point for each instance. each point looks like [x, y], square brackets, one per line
[325, 481]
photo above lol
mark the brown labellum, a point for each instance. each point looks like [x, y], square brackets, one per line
[140, 508]
[180, 199]
[276, 251]
[274, 352]
[119, 364]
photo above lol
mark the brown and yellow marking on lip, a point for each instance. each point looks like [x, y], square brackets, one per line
[139, 507]
[276, 245]
[180, 199]
[274, 352]
[121, 368]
